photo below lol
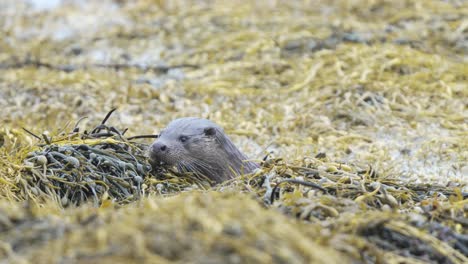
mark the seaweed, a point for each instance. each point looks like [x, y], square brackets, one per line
[355, 110]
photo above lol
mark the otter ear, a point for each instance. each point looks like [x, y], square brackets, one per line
[209, 131]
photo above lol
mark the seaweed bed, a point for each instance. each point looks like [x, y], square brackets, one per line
[356, 110]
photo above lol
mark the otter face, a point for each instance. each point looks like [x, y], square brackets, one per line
[184, 143]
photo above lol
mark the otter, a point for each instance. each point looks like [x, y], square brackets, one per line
[200, 146]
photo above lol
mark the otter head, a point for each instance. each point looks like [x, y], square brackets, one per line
[200, 146]
[184, 141]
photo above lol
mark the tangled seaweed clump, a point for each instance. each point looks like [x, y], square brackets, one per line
[76, 172]
[382, 217]
[104, 164]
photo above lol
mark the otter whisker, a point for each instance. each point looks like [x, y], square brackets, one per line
[201, 163]
[198, 162]
[190, 168]
[185, 166]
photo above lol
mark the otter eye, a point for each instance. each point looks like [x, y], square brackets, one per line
[183, 138]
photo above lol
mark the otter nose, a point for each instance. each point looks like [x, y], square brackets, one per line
[158, 146]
